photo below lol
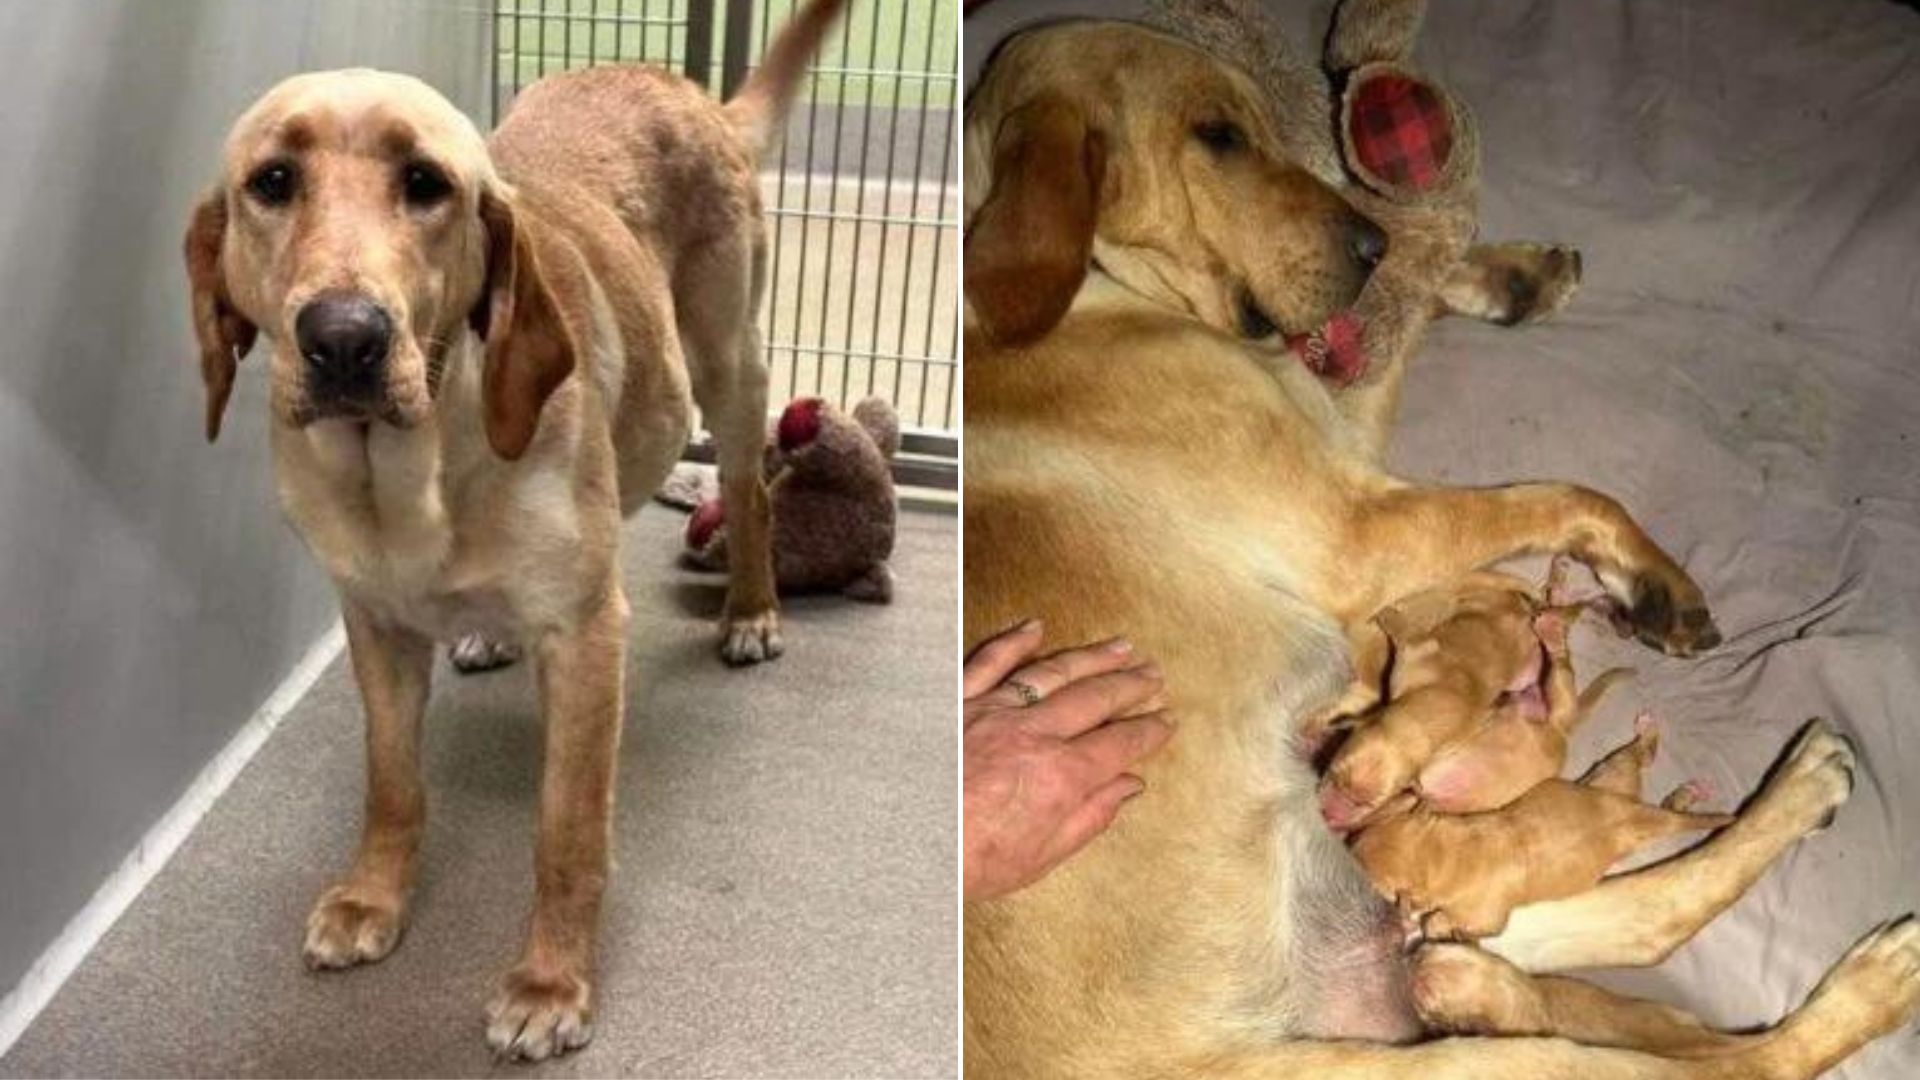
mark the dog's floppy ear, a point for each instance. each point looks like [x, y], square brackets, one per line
[529, 352]
[225, 335]
[1029, 243]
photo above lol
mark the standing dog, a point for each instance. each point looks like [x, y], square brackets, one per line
[483, 355]
[1129, 198]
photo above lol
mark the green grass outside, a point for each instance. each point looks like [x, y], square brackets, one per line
[883, 37]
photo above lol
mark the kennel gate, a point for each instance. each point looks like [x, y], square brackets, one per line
[862, 195]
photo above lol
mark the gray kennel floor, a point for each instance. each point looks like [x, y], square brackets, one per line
[783, 905]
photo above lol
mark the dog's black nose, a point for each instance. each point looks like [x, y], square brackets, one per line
[344, 336]
[1367, 241]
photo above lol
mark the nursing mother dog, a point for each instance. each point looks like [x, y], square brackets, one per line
[483, 354]
[1136, 467]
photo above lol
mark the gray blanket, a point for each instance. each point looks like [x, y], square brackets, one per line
[1742, 369]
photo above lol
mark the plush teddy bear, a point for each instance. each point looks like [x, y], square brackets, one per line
[1406, 154]
[831, 489]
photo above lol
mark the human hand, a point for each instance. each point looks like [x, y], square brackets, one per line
[1047, 749]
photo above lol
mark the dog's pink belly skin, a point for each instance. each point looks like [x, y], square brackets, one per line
[1353, 961]
[1370, 997]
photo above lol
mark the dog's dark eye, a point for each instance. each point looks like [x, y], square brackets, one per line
[273, 183]
[1220, 136]
[424, 184]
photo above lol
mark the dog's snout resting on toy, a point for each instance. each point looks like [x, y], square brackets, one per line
[482, 354]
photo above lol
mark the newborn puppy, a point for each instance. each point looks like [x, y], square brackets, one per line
[1462, 875]
[1524, 741]
[1453, 653]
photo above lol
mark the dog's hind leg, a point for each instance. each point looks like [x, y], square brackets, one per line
[1639, 918]
[1871, 992]
[1428, 536]
[1463, 990]
[716, 298]
[1511, 283]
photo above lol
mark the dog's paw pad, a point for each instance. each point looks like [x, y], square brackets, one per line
[535, 1017]
[752, 639]
[347, 928]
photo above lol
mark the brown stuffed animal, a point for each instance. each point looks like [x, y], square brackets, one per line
[833, 503]
[1406, 154]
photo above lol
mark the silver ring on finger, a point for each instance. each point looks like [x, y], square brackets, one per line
[1028, 695]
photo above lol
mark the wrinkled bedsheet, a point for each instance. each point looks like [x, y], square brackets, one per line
[1741, 369]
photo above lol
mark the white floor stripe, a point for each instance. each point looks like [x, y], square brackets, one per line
[123, 886]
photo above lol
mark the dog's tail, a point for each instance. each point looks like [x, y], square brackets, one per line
[760, 107]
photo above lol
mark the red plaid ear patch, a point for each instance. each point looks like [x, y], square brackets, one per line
[1400, 130]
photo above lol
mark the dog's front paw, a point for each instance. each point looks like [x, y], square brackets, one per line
[1806, 790]
[538, 1015]
[1671, 617]
[751, 639]
[1540, 281]
[352, 925]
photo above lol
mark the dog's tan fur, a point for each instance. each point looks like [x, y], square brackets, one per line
[1220, 929]
[595, 271]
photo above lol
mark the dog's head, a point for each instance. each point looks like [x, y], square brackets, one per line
[360, 228]
[1110, 142]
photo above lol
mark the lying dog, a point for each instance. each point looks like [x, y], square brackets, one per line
[1220, 929]
[1461, 875]
[483, 355]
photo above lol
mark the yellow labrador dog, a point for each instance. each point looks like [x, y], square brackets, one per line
[483, 354]
[1135, 466]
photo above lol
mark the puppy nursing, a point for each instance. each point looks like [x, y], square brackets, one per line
[1455, 776]
[1465, 695]
[1462, 874]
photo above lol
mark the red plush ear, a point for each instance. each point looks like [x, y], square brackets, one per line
[529, 350]
[800, 424]
[1028, 245]
[706, 520]
[1399, 131]
[224, 334]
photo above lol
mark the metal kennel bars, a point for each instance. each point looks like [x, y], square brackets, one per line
[863, 194]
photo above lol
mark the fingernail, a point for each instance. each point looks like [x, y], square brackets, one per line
[1120, 645]
[1150, 670]
[1027, 627]
[1139, 786]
